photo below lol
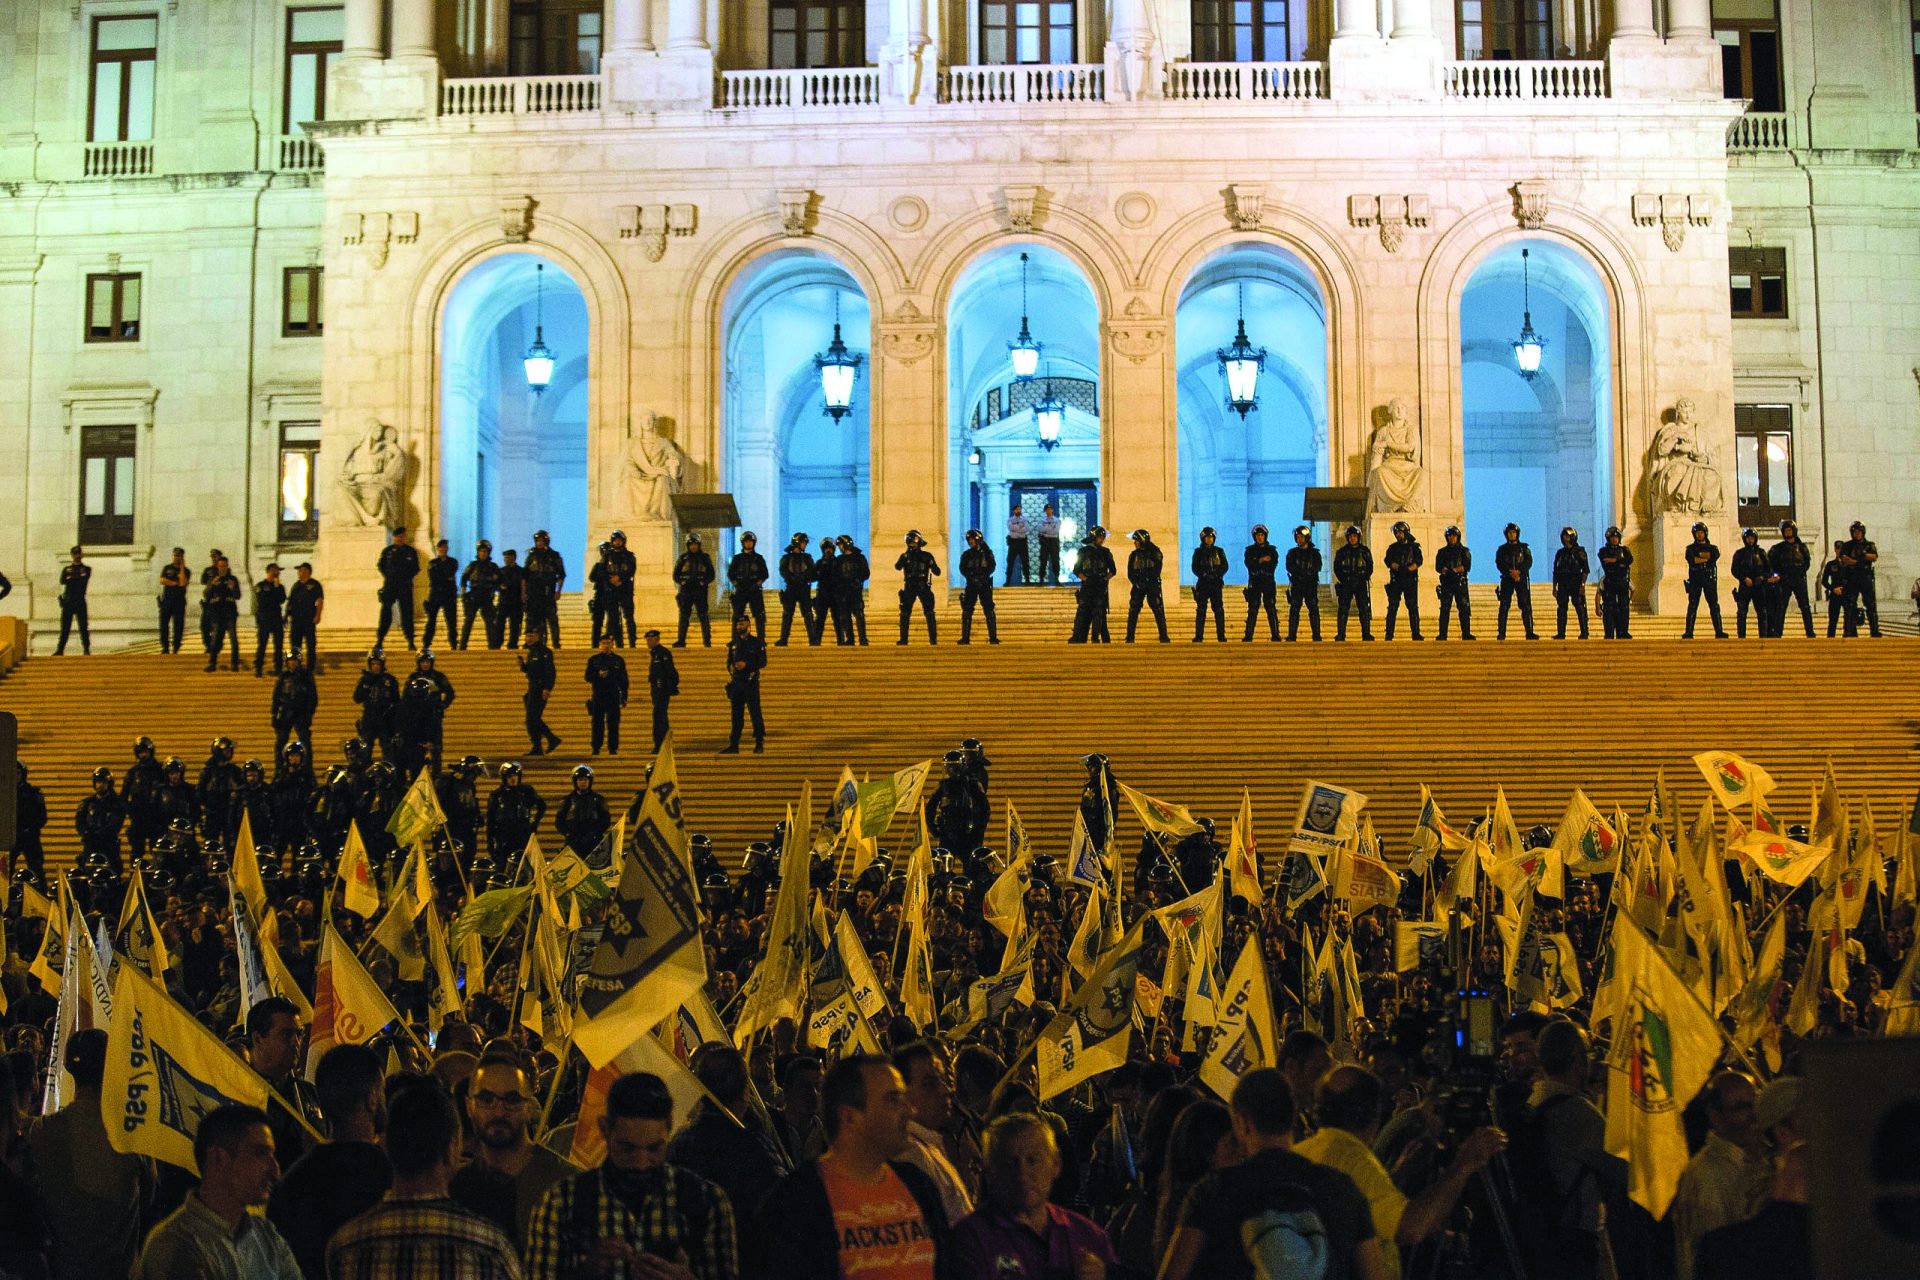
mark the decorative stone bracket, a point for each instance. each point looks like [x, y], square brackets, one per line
[516, 218]
[907, 336]
[797, 209]
[1674, 213]
[1022, 201]
[1246, 201]
[1530, 203]
[1394, 215]
[1138, 334]
[651, 224]
[375, 232]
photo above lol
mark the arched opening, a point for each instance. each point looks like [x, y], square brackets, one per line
[512, 461]
[791, 466]
[997, 460]
[1235, 471]
[1536, 451]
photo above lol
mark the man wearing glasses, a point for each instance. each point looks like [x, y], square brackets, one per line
[508, 1173]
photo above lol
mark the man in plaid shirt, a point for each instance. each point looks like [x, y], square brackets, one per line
[636, 1217]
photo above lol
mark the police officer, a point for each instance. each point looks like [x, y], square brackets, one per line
[1209, 565]
[1261, 558]
[606, 620]
[546, 575]
[747, 575]
[479, 584]
[179, 803]
[512, 605]
[378, 697]
[607, 684]
[1836, 582]
[826, 600]
[796, 590]
[1403, 560]
[850, 590]
[1570, 572]
[1303, 583]
[221, 596]
[255, 805]
[976, 570]
[663, 684]
[1860, 558]
[1452, 564]
[1616, 587]
[692, 575]
[306, 601]
[1144, 567]
[140, 792]
[746, 658]
[443, 591]
[74, 579]
[30, 819]
[1751, 586]
[514, 812]
[1703, 579]
[269, 621]
[917, 569]
[424, 700]
[1094, 566]
[295, 699]
[217, 790]
[1790, 560]
[206, 575]
[1514, 562]
[399, 565]
[1049, 532]
[536, 664]
[98, 820]
[1017, 545]
[174, 578]
[459, 799]
[621, 567]
[1353, 583]
[583, 819]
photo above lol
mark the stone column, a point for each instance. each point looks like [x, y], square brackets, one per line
[1690, 20]
[631, 28]
[363, 30]
[1139, 439]
[687, 25]
[1356, 18]
[1132, 54]
[907, 434]
[909, 65]
[1633, 20]
[413, 35]
[1413, 19]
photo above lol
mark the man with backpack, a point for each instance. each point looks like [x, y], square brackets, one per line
[1557, 1163]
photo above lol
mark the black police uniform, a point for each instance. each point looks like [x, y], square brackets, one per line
[1452, 564]
[746, 657]
[74, 579]
[1144, 567]
[692, 575]
[140, 791]
[601, 604]
[826, 601]
[536, 664]
[514, 814]
[1836, 583]
[583, 820]
[1862, 554]
[663, 683]
[29, 820]
[1303, 588]
[174, 579]
[218, 791]
[1616, 591]
[1094, 566]
[1514, 562]
[303, 619]
[479, 583]
[269, 624]
[1353, 587]
[206, 623]
[424, 700]
[546, 574]
[1570, 572]
[1791, 560]
[1752, 589]
[747, 575]
[621, 566]
[443, 593]
[1209, 565]
[97, 821]
[399, 565]
[850, 592]
[1403, 559]
[1261, 560]
[295, 698]
[222, 599]
[378, 696]
[512, 605]
[917, 569]
[460, 802]
[607, 680]
[1703, 579]
[977, 567]
[796, 591]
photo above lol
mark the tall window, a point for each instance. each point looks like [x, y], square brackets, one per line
[553, 38]
[113, 307]
[1749, 36]
[1916, 55]
[1763, 453]
[314, 39]
[123, 54]
[816, 33]
[1249, 30]
[106, 486]
[300, 298]
[1506, 29]
[299, 456]
[1757, 282]
[1026, 31]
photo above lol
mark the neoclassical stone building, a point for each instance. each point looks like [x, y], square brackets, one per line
[255, 252]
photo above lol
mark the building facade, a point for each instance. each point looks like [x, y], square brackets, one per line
[272, 270]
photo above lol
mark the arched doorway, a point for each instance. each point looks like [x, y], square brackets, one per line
[997, 459]
[512, 461]
[791, 466]
[1536, 451]
[1236, 472]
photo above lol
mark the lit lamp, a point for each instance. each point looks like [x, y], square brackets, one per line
[1049, 416]
[1242, 364]
[1024, 351]
[538, 362]
[1529, 346]
[837, 367]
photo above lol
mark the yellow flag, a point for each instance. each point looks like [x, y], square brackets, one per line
[1244, 1033]
[165, 1072]
[1095, 1029]
[245, 870]
[49, 961]
[1587, 843]
[348, 1005]
[446, 992]
[644, 1054]
[1734, 781]
[1158, 816]
[418, 815]
[1243, 854]
[358, 892]
[1364, 882]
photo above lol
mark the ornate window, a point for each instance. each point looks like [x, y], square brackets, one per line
[1026, 31]
[1506, 29]
[1249, 30]
[1749, 36]
[805, 34]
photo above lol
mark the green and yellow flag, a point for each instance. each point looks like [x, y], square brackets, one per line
[1245, 1035]
[418, 815]
[1734, 781]
[1587, 843]
[1158, 816]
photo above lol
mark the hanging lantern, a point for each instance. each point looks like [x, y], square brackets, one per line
[1024, 350]
[1242, 364]
[1049, 418]
[538, 362]
[837, 367]
[1529, 347]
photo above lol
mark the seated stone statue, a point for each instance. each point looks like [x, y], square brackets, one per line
[1681, 475]
[1395, 478]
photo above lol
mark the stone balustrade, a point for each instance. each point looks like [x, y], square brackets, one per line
[1761, 131]
[1245, 81]
[773, 90]
[1058, 82]
[117, 160]
[299, 154]
[1526, 81]
[520, 95]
